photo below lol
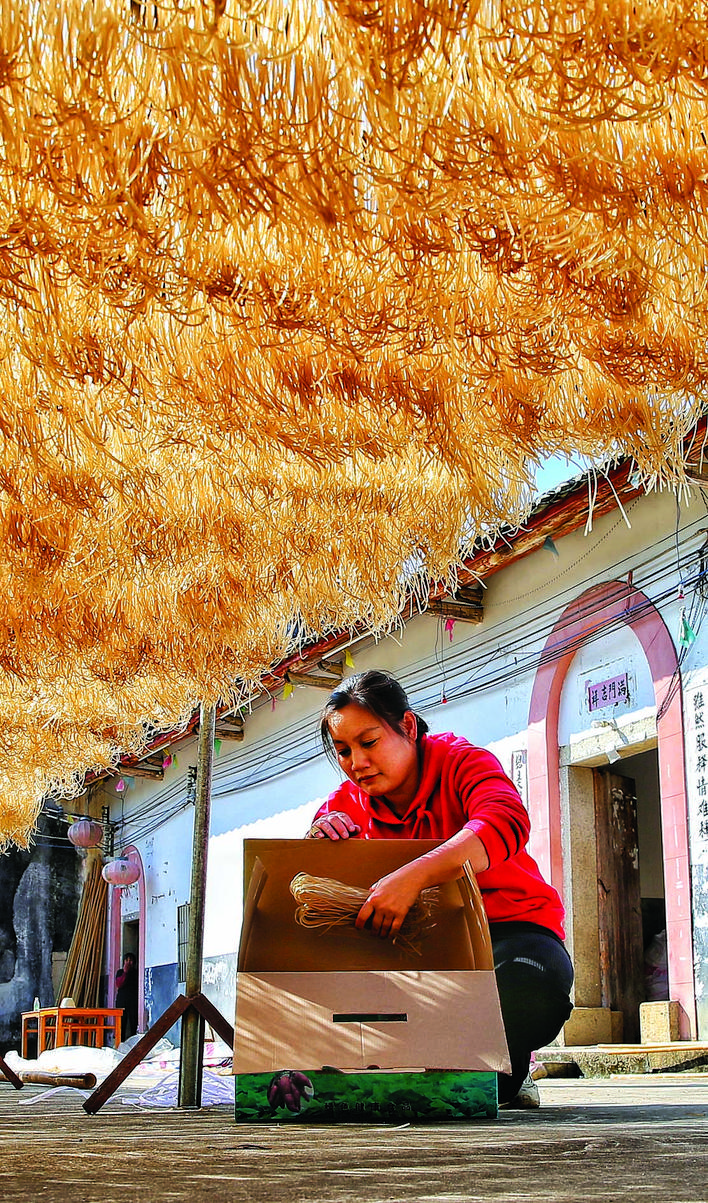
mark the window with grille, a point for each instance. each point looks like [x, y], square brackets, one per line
[182, 941]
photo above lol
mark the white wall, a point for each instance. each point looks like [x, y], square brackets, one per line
[224, 899]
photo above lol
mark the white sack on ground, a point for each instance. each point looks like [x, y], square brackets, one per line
[70, 1059]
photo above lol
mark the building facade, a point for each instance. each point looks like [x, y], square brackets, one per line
[587, 677]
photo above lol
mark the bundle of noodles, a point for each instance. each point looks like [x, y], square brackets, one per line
[324, 902]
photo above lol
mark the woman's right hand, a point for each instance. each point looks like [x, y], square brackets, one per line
[333, 826]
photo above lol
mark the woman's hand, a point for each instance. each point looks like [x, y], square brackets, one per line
[390, 900]
[334, 826]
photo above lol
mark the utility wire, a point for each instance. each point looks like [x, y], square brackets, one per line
[519, 654]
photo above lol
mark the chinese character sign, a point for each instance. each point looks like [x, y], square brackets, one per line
[519, 775]
[606, 693]
[697, 774]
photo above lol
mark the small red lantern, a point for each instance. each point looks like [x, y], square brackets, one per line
[121, 872]
[85, 833]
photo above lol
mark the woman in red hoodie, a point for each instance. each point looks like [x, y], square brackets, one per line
[404, 783]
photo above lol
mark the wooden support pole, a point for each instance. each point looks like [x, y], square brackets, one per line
[180, 1007]
[192, 1029]
[10, 1075]
[193, 1008]
[132, 1058]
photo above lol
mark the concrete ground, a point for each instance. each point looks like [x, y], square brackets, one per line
[624, 1138]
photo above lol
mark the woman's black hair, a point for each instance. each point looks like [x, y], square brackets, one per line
[373, 690]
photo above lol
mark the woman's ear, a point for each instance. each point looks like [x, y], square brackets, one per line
[410, 725]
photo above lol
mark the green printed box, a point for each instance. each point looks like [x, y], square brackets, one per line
[324, 1097]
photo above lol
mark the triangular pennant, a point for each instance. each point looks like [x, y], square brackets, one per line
[687, 635]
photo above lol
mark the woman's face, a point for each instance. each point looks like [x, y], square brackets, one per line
[374, 756]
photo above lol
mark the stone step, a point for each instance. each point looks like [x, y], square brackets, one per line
[603, 1060]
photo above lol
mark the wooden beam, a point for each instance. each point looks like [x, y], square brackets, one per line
[214, 1018]
[144, 768]
[462, 611]
[135, 1055]
[198, 1003]
[313, 679]
[474, 594]
[229, 726]
[10, 1075]
[229, 732]
[335, 667]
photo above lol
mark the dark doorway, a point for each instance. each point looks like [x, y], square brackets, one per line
[619, 899]
[131, 939]
[631, 906]
[130, 942]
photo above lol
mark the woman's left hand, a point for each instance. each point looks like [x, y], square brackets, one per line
[390, 900]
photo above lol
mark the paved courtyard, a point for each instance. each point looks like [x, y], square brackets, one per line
[625, 1138]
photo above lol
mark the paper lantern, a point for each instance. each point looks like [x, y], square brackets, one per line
[85, 833]
[121, 872]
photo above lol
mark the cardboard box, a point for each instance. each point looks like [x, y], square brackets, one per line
[343, 998]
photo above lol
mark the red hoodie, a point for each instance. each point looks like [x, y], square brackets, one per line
[465, 786]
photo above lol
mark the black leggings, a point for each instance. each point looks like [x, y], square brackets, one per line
[534, 977]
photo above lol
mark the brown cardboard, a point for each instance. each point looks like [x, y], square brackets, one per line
[401, 1020]
[272, 940]
[309, 997]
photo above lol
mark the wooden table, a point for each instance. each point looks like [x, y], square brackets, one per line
[55, 1027]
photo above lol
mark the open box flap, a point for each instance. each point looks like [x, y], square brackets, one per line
[272, 940]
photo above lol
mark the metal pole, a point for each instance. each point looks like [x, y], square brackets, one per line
[192, 1031]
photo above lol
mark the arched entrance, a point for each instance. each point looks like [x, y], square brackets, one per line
[597, 608]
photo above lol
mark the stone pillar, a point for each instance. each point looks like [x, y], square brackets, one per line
[580, 876]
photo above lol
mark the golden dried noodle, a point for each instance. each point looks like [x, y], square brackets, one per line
[325, 902]
[292, 296]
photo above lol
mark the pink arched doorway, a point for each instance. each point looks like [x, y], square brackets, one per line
[115, 936]
[595, 609]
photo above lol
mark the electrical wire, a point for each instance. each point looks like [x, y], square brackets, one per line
[522, 664]
[520, 654]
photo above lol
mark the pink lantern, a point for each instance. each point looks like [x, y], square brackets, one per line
[85, 833]
[121, 872]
